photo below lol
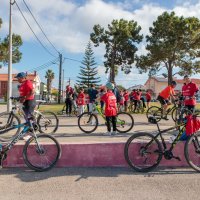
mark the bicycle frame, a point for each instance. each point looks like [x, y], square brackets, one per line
[180, 128]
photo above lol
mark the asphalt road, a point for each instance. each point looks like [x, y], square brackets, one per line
[99, 183]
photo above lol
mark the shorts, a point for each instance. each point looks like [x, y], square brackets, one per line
[162, 100]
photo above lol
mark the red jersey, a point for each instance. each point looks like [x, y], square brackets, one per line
[138, 95]
[111, 103]
[189, 90]
[165, 94]
[25, 89]
[81, 99]
[148, 96]
[126, 96]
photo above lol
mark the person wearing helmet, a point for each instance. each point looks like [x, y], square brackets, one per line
[110, 108]
[26, 91]
[189, 91]
[164, 96]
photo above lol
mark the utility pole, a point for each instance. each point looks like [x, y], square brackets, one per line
[69, 81]
[60, 77]
[63, 86]
[9, 94]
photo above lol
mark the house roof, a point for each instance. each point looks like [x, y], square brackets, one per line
[4, 77]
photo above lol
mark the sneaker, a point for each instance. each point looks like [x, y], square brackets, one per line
[108, 133]
[114, 133]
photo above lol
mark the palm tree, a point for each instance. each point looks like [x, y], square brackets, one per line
[49, 76]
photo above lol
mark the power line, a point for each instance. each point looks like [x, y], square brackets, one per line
[40, 27]
[32, 30]
[43, 66]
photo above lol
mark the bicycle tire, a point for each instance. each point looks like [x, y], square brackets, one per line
[154, 111]
[132, 148]
[45, 121]
[122, 123]
[7, 120]
[177, 112]
[191, 151]
[31, 153]
[87, 122]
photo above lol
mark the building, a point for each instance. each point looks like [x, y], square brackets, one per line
[157, 84]
[34, 77]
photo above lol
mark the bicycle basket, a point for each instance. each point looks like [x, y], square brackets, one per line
[152, 120]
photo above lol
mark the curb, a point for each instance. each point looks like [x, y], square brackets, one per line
[92, 155]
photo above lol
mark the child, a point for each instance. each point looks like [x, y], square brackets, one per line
[148, 98]
[126, 98]
[110, 108]
[81, 101]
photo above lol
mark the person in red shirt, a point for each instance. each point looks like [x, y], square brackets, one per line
[189, 91]
[138, 95]
[26, 91]
[81, 101]
[164, 96]
[126, 98]
[110, 108]
[148, 98]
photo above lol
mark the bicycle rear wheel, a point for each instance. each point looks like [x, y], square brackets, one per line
[143, 152]
[154, 111]
[192, 151]
[8, 126]
[88, 122]
[125, 122]
[48, 122]
[43, 156]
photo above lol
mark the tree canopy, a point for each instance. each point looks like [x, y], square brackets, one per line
[88, 72]
[4, 48]
[120, 41]
[173, 42]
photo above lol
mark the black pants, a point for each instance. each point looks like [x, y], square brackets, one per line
[28, 108]
[109, 120]
[68, 106]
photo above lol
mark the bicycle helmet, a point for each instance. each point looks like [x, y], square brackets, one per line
[110, 85]
[21, 75]
[173, 83]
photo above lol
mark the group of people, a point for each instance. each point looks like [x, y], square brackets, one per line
[188, 94]
[110, 98]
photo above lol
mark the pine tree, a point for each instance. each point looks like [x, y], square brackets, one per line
[88, 73]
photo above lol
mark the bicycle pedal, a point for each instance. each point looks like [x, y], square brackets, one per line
[177, 158]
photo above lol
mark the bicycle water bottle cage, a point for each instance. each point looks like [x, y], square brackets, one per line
[152, 120]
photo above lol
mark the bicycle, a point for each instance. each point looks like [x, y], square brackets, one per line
[176, 110]
[74, 110]
[47, 121]
[88, 121]
[36, 156]
[143, 151]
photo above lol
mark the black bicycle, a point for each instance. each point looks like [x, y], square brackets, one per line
[175, 111]
[41, 152]
[143, 151]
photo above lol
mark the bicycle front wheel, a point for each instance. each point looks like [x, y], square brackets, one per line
[43, 154]
[154, 111]
[88, 122]
[143, 152]
[48, 122]
[8, 126]
[125, 122]
[192, 151]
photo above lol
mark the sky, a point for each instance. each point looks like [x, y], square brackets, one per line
[68, 25]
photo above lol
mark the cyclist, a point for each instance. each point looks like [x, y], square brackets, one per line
[26, 91]
[69, 99]
[110, 108]
[164, 96]
[189, 91]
